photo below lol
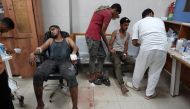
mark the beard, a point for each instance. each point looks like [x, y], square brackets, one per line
[54, 35]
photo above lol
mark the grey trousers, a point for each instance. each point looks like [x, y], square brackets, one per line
[97, 53]
[117, 59]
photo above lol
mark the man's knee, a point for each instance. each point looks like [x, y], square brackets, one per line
[102, 57]
[102, 54]
[38, 77]
[71, 79]
[117, 66]
[93, 58]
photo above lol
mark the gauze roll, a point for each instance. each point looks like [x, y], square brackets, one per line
[73, 57]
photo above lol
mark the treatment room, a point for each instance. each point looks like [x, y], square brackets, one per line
[94, 54]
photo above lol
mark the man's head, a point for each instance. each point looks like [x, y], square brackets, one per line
[55, 30]
[116, 10]
[124, 23]
[147, 12]
[6, 25]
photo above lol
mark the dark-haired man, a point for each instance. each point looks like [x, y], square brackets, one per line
[95, 32]
[119, 46]
[149, 33]
[59, 58]
[6, 24]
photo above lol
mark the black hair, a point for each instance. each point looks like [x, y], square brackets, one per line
[124, 19]
[55, 26]
[8, 23]
[117, 7]
[147, 12]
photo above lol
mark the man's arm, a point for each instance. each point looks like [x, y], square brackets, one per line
[113, 36]
[43, 47]
[125, 47]
[135, 36]
[102, 33]
[73, 45]
[39, 50]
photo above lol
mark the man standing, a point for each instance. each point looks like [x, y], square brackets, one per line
[95, 32]
[149, 33]
[60, 50]
[6, 24]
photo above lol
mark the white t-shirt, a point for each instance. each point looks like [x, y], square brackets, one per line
[151, 33]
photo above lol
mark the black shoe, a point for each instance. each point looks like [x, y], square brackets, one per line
[106, 81]
[98, 81]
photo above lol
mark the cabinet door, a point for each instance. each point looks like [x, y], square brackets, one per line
[22, 13]
[25, 37]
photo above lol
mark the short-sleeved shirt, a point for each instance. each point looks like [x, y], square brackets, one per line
[119, 43]
[98, 19]
[151, 33]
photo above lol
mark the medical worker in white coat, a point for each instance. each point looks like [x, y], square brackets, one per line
[149, 33]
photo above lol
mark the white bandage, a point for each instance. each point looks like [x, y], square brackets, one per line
[73, 57]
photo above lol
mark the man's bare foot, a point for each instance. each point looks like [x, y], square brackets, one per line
[92, 77]
[40, 106]
[75, 107]
[124, 89]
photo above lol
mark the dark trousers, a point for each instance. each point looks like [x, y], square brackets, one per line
[66, 69]
[5, 92]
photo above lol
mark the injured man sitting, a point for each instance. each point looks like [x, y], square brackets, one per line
[119, 48]
[60, 51]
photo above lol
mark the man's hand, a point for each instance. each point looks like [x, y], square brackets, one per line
[10, 51]
[124, 56]
[73, 58]
[109, 49]
[32, 59]
[38, 50]
[113, 51]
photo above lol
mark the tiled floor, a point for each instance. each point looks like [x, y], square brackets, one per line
[103, 97]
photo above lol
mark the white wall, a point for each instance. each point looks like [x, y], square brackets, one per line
[83, 10]
[56, 12]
